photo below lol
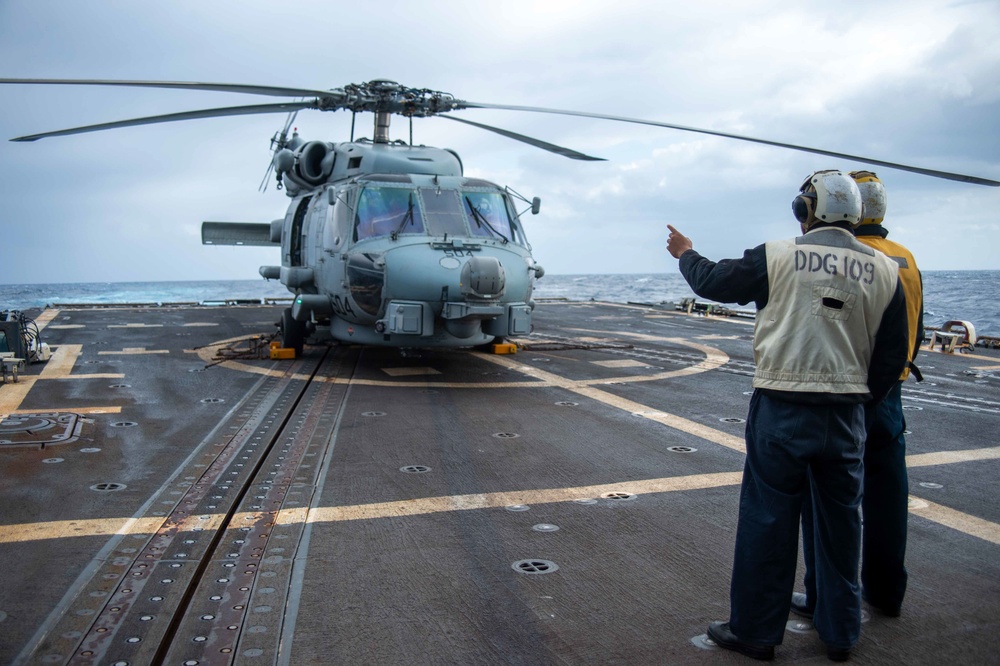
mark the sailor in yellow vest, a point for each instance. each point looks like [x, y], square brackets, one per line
[886, 488]
[830, 335]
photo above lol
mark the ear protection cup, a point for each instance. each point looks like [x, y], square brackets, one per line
[803, 208]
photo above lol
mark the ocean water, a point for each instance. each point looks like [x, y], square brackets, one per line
[948, 295]
[962, 295]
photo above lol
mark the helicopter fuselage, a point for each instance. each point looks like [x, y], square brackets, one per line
[389, 244]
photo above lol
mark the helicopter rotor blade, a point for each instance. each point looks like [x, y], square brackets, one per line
[538, 143]
[387, 96]
[274, 91]
[975, 180]
[185, 115]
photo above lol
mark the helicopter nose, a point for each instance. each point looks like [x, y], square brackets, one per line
[483, 278]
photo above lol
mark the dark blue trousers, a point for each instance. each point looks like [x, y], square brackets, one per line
[884, 507]
[790, 446]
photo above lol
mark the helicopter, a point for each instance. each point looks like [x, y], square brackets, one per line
[386, 242]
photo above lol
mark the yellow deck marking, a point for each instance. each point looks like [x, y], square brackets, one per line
[624, 363]
[957, 354]
[133, 350]
[495, 500]
[207, 354]
[60, 366]
[60, 529]
[991, 359]
[742, 321]
[64, 358]
[732, 320]
[950, 457]
[651, 313]
[70, 410]
[108, 526]
[584, 388]
[956, 520]
[709, 351]
[435, 385]
[42, 320]
[12, 395]
[670, 420]
[62, 361]
[713, 359]
[409, 372]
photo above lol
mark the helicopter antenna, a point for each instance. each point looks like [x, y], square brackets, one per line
[278, 141]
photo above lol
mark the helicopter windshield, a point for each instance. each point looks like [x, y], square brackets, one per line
[488, 215]
[387, 211]
[469, 213]
[444, 212]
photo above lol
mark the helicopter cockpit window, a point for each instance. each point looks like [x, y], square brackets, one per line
[387, 211]
[488, 215]
[445, 214]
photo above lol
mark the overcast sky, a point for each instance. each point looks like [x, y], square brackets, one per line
[910, 81]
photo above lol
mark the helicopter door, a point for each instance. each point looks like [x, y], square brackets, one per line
[295, 233]
[313, 231]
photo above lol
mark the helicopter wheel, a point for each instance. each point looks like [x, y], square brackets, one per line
[293, 332]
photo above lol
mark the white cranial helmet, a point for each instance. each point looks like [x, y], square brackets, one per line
[872, 196]
[828, 196]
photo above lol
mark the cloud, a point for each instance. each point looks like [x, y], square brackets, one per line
[913, 82]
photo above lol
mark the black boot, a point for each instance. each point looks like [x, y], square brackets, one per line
[722, 636]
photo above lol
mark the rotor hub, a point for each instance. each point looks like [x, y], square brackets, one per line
[385, 96]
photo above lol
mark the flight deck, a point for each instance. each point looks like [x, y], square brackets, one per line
[171, 495]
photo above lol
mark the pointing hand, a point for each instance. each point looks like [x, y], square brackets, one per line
[677, 243]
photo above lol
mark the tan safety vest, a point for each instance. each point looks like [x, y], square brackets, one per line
[826, 297]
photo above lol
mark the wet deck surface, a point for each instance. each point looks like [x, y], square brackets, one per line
[574, 503]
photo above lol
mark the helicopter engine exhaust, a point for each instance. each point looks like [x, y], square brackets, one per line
[314, 162]
[307, 166]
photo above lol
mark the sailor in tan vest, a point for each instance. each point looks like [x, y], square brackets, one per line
[830, 335]
[886, 488]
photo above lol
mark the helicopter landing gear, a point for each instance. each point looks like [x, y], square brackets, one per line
[293, 332]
